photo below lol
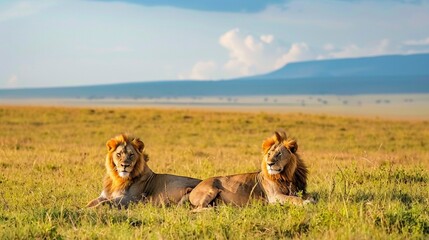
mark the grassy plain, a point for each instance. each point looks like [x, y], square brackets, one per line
[370, 176]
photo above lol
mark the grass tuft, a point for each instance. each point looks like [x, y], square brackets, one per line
[369, 176]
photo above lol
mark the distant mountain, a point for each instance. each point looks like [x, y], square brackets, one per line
[370, 75]
[391, 65]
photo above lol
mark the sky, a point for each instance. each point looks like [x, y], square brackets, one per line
[48, 43]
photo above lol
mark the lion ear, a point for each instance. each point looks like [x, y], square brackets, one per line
[280, 136]
[138, 144]
[111, 144]
[292, 145]
[267, 144]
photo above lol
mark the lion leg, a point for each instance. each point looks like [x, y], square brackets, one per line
[123, 201]
[183, 200]
[308, 199]
[204, 194]
[185, 197]
[97, 202]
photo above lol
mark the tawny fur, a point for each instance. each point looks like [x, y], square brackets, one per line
[112, 181]
[295, 172]
[141, 184]
[240, 189]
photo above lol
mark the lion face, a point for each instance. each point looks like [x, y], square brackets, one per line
[125, 154]
[277, 157]
[279, 153]
[125, 157]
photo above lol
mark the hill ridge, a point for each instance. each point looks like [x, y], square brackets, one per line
[383, 75]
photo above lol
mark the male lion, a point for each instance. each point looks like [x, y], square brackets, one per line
[129, 178]
[283, 176]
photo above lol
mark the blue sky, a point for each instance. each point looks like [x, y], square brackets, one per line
[49, 43]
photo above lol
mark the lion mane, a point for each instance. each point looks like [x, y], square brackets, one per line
[129, 179]
[282, 178]
[294, 174]
[112, 181]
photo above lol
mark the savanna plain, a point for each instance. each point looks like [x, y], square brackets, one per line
[369, 176]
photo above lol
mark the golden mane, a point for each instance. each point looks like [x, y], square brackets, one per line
[130, 180]
[294, 174]
[112, 181]
[282, 177]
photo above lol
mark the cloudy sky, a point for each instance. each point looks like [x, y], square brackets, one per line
[85, 42]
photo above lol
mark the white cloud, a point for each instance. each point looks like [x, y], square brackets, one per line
[267, 38]
[421, 42]
[382, 47]
[297, 52]
[202, 70]
[328, 47]
[240, 51]
[12, 81]
[24, 8]
[350, 50]
[249, 55]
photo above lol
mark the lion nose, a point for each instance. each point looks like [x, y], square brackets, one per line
[125, 165]
[270, 164]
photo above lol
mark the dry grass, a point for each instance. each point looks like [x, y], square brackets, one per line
[370, 176]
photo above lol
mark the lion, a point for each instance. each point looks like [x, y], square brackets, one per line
[129, 178]
[282, 178]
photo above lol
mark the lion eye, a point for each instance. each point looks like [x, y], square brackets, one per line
[118, 154]
[132, 155]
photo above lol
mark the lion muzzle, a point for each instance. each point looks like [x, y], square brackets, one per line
[122, 172]
[271, 169]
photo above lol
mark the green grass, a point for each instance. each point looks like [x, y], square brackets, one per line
[370, 176]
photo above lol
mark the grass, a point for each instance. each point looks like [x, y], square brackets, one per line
[370, 176]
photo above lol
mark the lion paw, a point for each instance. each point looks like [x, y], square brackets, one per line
[309, 201]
